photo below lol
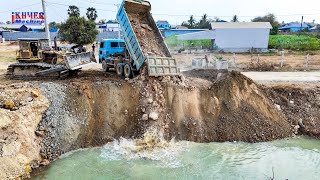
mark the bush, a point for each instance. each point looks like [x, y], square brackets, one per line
[294, 42]
[174, 43]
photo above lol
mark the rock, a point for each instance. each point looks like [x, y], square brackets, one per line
[126, 112]
[143, 109]
[8, 104]
[44, 162]
[154, 116]
[29, 99]
[35, 93]
[48, 113]
[145, 117]
[166, 126]
[40, 133]
[150, 100]
[296, 129]
[291, 102]
[278, 107]
[300, 122]
[126, 79]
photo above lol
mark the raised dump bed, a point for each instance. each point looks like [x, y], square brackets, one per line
[144, 40]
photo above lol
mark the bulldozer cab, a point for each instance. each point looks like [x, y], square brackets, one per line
[29, 49]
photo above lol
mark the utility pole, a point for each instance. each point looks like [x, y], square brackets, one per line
[119, 35]
[301, 25]
[46, 22]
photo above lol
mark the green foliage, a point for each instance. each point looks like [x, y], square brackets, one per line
[294, 42]
[92, 14]
[73, 11]
[192, 23]
[78, 30]
[174, 43]
[54, 25]
[269, 18]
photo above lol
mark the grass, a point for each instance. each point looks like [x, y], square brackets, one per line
[7, 56]
[174, 43]
[294, 42]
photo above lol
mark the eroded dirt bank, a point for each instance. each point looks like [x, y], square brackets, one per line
[200, 106]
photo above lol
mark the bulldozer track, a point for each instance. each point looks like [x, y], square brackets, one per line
[43, 71]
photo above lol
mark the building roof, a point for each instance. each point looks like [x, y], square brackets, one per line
[11, 26]
[241, 25]
[294, 25]
[18, 26]
[162, 21]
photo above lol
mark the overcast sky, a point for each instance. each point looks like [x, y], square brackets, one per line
[176, 11]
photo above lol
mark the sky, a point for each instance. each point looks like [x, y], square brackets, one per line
[175, 11]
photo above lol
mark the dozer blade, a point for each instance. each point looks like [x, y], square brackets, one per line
[77, 61]
[162, 66]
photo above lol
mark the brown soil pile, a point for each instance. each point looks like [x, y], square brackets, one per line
[23, 106]
[148, 39]
[301, 107]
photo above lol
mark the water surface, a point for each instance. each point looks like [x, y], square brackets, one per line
[295, 158]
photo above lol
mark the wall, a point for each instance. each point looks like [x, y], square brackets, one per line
[167, 33]
[13, 36]
[241, 40]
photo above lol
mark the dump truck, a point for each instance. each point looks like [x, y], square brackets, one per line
[36, 59]
[144, 44]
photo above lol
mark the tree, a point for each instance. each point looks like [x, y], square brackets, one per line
[73, 11]
[78, 30]
[191, 22]
[269, 18]
[235, 19]
[204, 23]
[92, 14]
[102, 21]
[54, 25]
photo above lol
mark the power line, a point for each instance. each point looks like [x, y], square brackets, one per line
[100, 3]
[79, 7]
[19, 8]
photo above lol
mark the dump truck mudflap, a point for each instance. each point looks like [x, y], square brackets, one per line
[162, 66]
[77, 61]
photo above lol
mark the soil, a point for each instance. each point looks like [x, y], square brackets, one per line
[150, 42]
[300, 105]
[96, 108]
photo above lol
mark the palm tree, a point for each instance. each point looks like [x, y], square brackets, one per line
[191, 21]
[235, 19]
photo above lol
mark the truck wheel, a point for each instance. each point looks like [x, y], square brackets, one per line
[127, 71]
[105, 67]
[119, 69]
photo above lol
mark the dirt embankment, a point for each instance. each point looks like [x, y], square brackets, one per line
[200, 106]
[301, 107]
[19, 138]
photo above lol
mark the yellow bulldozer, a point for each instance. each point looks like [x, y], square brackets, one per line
[36, 59]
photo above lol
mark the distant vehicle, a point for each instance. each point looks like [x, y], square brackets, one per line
[110, 47]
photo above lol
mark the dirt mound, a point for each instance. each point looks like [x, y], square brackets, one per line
[301, 107]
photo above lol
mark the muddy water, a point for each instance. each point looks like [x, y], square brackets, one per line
[295, 158]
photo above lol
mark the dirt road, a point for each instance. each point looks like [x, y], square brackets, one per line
[290, 77]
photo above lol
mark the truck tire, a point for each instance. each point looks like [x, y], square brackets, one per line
[105, 67]
[127, 71]
[119, 69]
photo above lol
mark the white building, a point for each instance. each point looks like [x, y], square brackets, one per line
[235, 36]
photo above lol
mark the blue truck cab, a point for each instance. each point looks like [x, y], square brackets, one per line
[110, 47]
